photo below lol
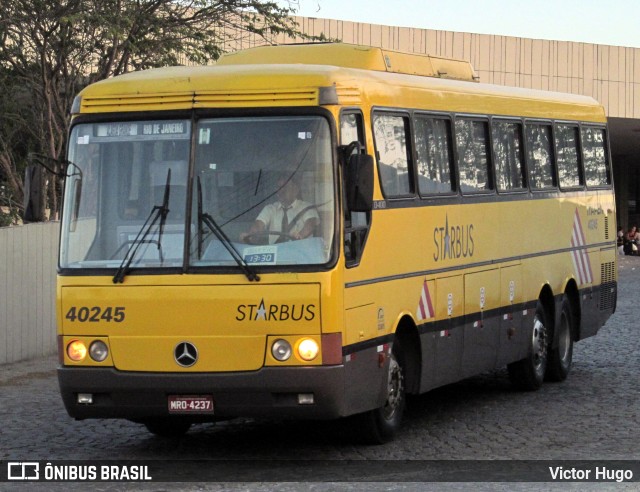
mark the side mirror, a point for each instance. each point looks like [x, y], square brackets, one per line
[33, 194]
[359, 183]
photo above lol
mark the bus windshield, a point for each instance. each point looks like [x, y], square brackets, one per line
[262, 194]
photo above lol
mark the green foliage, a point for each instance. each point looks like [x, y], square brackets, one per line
[9, 208]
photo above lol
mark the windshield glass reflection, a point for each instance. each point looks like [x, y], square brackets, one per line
[262, 194]
[267, 183]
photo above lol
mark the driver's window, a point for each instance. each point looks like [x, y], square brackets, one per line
[356, 223]
[267, 185]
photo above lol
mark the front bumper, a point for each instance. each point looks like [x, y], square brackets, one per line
[268, 392]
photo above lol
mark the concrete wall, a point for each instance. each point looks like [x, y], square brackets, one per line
[28, 258]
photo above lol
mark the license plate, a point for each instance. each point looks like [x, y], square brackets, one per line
[190, 404]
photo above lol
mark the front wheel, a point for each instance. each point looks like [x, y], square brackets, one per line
[561, 355]
[528, 374]
[380, 425]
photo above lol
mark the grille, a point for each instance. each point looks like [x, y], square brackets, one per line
[606, 227]
[608, 272]
[607, 286]
[136, 102]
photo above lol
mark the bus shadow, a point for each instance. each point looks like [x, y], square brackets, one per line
[273, 439]
[486, 387]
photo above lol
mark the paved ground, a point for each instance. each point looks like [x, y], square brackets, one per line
[594, 415]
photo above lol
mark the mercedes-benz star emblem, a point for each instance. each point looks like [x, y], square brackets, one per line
[185, 354]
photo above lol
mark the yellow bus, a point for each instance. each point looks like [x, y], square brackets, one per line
[316, 231]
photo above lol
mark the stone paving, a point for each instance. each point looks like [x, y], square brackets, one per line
[593, 415]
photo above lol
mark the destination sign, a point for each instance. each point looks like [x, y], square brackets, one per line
[166, 128]
[142, 130]
[117, 130]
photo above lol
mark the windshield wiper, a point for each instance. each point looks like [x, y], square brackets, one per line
[158, 212]
[209, 221]
[164, 210]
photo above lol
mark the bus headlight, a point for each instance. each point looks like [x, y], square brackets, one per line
[98, 351]
[281, 350]
[308, 349]
[76, 350]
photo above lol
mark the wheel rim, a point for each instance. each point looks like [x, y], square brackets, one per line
[539, 343]
[394, 388]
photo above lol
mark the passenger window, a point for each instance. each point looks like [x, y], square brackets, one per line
[434, 155]
[540, 154]
[509, 155]
[567, 147]
[472, 142]
[390, 132]
[596, 169]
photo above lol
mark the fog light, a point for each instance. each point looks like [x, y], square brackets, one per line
[281, 350]
[305, 398]
[76, 350]
[308, 349]
[85, 398]
[98, 351]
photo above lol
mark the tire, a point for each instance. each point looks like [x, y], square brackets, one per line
[560, 357]
[167, 427]
[528, 374]
[381, 425]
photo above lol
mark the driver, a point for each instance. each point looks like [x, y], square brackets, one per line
[294, 218]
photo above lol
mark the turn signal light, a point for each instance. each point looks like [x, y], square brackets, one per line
[76, 350]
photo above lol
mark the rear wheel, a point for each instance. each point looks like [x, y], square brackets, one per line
[528, 373]
[381, 424]
[560, 357]
[167, 427]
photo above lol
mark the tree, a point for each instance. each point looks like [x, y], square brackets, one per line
[53, 48]
[17, 137]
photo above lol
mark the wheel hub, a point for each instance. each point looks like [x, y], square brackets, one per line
[394, 387]
[539, 343]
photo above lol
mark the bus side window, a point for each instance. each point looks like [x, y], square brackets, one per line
[392, 150]
[509, 155]
[434, 155]
[540, 156]
[472, 142]
[594, 149]
[568, 155]
[356, 223]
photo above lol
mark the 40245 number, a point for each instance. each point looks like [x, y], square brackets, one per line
[96, 314]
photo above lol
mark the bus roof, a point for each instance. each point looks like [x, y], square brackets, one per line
[355, 56]
[324, 74]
